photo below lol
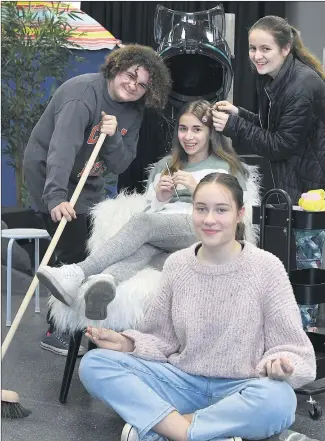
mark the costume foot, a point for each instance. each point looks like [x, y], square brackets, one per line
[99, 292]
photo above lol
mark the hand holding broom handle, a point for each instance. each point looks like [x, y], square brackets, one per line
[51, 247]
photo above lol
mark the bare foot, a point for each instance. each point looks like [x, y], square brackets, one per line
[188, 417]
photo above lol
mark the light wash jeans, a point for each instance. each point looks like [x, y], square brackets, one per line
[144, 392]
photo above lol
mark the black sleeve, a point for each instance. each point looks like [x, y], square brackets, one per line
[290, 135]
[249, 116]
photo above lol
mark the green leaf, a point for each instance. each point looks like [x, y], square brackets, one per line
[26, 62]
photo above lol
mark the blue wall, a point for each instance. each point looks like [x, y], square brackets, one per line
[91, 64]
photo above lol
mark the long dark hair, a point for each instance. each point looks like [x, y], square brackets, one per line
[232, 184]
[284, 34]
[219, 145]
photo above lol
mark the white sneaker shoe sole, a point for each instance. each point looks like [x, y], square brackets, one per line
[64, 352]
[129, 433]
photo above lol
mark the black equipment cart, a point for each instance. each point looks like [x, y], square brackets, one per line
[308, 284]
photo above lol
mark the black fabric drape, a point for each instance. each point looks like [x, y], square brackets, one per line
[133, 22]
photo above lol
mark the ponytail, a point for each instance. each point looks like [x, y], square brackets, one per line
[300, 52]
[286, 35]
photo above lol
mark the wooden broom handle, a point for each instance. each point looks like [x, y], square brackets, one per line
[51, 246]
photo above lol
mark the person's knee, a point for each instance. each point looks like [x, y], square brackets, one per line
[92, 362]
[276, 405]
[142, 219]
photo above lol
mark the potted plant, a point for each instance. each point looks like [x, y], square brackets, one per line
[36, 51]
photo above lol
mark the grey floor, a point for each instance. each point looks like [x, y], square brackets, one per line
[36, 375]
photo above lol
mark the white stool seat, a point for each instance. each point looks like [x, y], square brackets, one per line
[16, 234]
[25, 233]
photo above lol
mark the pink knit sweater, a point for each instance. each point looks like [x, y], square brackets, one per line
[225, 321]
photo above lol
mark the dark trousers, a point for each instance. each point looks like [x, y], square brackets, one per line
[71, 247]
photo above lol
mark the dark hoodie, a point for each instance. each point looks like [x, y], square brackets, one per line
[63, 139]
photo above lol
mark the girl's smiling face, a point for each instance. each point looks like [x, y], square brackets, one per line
[194, 137]
[215, 215]
[265, 53]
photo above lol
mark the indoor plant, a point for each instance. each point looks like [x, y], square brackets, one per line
[36, 52]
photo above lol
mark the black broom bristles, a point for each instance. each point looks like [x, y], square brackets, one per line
[10, 406]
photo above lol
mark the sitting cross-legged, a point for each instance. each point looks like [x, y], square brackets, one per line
[221, 347]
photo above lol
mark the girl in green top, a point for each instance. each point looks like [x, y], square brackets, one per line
[165, 224]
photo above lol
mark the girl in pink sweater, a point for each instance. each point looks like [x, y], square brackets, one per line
[221, 348]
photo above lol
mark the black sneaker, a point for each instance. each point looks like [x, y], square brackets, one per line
[59, 343]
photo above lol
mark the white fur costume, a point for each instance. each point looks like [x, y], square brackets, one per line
[133, 296]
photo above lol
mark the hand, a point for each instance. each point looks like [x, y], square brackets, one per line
[219, 120]
[278, 369]
[164, 188]
[108, 124]
[226, 107]
[119, 43]
[64, 209]
[108, 339]
[185, 178]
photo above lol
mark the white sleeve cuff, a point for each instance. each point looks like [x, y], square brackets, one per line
[157, 205]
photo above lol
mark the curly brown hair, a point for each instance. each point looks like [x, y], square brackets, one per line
[137, 55]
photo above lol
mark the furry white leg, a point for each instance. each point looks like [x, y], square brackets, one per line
[134, 295]
[126, 311]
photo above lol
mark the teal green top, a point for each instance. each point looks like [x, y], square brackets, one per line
[211, 163]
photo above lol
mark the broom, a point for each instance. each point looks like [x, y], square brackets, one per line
[10, 407]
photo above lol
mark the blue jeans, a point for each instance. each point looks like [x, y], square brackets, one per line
[144, 392]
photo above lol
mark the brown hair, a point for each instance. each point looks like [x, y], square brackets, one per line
[219, 145]
[159, 85]
[232, 184]
[284, 34]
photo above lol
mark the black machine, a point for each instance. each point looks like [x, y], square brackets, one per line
[194, 48]
[308, 284]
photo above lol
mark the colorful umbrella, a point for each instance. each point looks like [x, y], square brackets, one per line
[88, 33]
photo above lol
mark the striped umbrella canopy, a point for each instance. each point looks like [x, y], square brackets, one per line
[88, 33]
